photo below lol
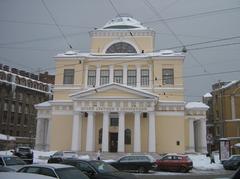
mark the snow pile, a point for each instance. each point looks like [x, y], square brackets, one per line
[202, 162]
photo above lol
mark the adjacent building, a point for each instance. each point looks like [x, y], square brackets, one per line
[122, 96]
[224, 113]
[19, 92]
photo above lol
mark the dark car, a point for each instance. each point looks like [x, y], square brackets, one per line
[58, 157]
[139, 163]
[96, 169]
[58, 171]
[25, 153]
[174, 162]
[232, 163]
[9, 163]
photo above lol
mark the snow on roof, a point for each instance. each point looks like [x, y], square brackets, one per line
[122, 23]
[229, 84]
[44, 104]
[237, 145]
[207, 95]
[161, 53]
[196, 105]
[6, 137]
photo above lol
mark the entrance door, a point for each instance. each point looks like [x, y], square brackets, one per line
[113, 141]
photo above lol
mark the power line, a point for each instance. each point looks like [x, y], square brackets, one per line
[115, 9]
[173, 33]
[44, 24]
[214, 46]
[206, 42]
[55, 22]
[192, 15]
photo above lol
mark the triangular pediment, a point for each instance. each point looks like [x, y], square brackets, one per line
[114, 90]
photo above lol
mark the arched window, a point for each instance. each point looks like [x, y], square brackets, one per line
[121, 47]
[100, 136]
[127, 136]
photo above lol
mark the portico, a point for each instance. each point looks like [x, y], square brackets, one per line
[87, 104]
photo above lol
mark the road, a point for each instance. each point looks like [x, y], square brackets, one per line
[192, 175]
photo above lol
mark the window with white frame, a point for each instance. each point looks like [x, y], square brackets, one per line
[132, 77]
[144, 77]
[104, 77]
[91, 77]
[168, 76]
[68, 77]
[118, 76]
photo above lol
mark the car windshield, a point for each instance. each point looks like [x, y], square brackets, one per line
[235, 158]
[13, 161]
[70, 173]
[103, 167]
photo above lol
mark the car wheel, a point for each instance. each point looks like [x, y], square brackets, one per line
[142, 170]
[183, 170]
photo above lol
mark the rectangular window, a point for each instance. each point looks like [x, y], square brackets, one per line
[131, 77]
[114, 122]
[5, 106]
[91, 77]
[167, 76]
[13, 107]
[144, 77]
[118, 76]
[104, 77]
[68, 77]
[19, 108]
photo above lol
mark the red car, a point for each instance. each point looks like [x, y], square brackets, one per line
[175, 162]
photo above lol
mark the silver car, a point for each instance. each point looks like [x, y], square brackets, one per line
[59, 171]
[10, 163]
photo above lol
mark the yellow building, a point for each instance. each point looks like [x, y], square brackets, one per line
[226, 113]
[122, 96]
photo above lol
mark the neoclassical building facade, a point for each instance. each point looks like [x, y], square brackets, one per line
[122, 96]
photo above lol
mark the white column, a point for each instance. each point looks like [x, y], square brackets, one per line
[151, 132]
[233, 107]
[105, 135]
[137, 133]
[121, 128]
[138, 76]
[203, 136]
[98, 75]
[111, 75]
[38, 141]
[86, 76]
[90, 140]
[191, 147]
[125, 74]
[49, 121]
[150, 76]
[76, 133]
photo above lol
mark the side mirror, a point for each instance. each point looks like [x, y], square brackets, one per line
[12, 151]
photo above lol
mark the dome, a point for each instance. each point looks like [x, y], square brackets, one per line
[123, 23]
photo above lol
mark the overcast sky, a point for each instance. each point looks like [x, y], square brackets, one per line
[29, 38]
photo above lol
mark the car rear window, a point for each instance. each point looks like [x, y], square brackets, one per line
[24, 149]
[70, 173]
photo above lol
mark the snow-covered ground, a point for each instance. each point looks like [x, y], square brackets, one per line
[200, 161]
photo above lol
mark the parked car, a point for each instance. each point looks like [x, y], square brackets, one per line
[14, 175]
[9, 163]
[25, 153]
[232, 163]
[96, 169]
[174, 162]
[59, 156]
[58, 171]
[139, 163]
